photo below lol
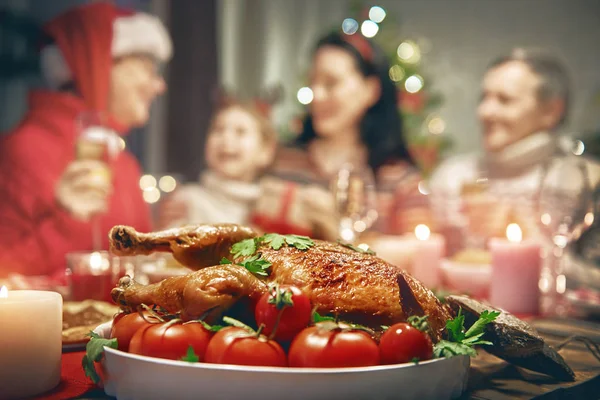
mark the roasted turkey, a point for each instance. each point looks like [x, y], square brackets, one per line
[354, 285]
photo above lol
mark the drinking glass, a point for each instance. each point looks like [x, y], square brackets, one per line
[96, 142]
[355, 197]
[91, 275]
[563, 200]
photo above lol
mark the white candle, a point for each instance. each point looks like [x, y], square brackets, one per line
[515, 273]
[30, 342]
[429, 251]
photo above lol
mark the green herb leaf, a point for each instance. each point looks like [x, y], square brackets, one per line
[299, 242]
[190, 356]
[449, 349]
[415, 360]
[460, 342]
[316, 317]
[456, 327]
[256, 265]
[224, 261]
[275, 240]
[420, 323]
[384, 327]
[244, 248]
[355, 248]
[94, 351]
[479, 326]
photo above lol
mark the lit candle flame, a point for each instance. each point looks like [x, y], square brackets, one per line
[514, 233]
[3, 292]
[96, 260]
[422, 232]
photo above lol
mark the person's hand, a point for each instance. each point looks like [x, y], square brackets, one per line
[319, 209]
[84, 188]
[171, 211]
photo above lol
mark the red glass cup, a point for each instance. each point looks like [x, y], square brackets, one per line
[91, 275]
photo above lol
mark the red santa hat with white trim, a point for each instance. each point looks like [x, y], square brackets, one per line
[86, 39]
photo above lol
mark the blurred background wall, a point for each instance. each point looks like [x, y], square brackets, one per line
[250, 45]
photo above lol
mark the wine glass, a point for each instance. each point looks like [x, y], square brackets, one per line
[355, 197]
[474, 208]
[96, 142]
[563, 200]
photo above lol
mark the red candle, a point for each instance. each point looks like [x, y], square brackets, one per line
[516, 268]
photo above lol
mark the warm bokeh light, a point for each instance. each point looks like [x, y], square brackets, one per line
[514, 233]
[369, 29]
[151, 195]
[167, 183]
[376, 14]
[423, 188]
[305, 95]
[397, 73]
[436, 126]
[350, 26]
[96, 261]
[360, 226]
[589, 218]
[413, 83]
[122, 144]
[147, 182]
[422, 232]
[3, 292]
[546, 219]
[409, 52]
[578, 147]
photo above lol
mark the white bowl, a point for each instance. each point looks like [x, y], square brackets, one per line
[130, 376]
[471, 279]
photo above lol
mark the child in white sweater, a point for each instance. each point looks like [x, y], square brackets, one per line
[240, 145]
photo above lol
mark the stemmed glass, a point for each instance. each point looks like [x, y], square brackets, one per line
[99, 143]
[563, 200]
[355, 197]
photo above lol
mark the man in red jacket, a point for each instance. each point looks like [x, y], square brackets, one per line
[102, 60]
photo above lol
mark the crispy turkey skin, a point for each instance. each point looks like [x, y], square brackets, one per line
[357, 286]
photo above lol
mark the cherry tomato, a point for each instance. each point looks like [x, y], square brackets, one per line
[233, 345]
[402, 343]
[321, 347]
[171, 340]
[124, 327]
[294, 307]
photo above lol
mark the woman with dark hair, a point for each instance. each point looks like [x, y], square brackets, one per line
[353, 118]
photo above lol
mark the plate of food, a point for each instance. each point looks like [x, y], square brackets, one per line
[81, 317]
[274, 316]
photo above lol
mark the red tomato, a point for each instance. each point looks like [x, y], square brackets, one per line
[294, 307]
[124, 326]
[321, 347]
[402, 343]
[171, 340]
[237, 346]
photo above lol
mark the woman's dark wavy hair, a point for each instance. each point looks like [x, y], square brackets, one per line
[381, 127]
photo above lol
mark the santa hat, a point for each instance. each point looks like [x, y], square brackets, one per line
[88, 38]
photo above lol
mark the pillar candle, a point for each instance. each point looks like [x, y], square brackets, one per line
[30, 342]
[515, 273]
[428, 253]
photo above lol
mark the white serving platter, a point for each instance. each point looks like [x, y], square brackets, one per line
[130, 376]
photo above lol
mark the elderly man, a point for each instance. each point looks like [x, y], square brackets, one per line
[99, 61]
[524, 101]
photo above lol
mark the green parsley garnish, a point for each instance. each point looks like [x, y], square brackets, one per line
[94, 351]
[357, 249]
[190, 356]
[256, 265]
[244, 248]
[280, 298]
[461, 341]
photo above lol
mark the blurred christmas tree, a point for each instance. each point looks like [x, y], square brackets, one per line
[424, 130]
